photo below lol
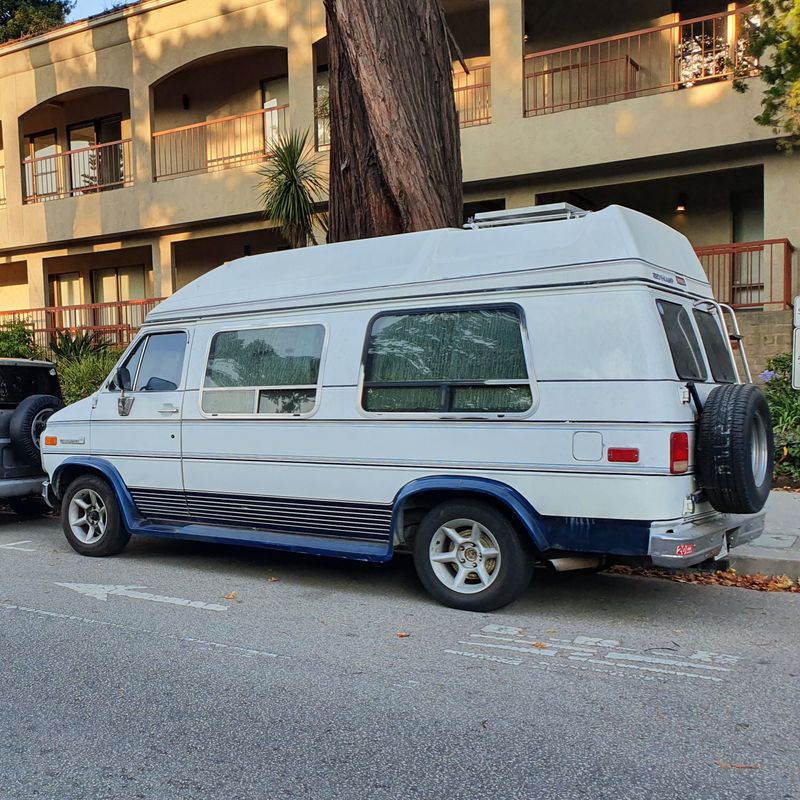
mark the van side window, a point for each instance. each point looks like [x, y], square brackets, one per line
[264, 371]
[468, 361]
[719, 357]
[161, 364]
[131, 363]
[686, 352]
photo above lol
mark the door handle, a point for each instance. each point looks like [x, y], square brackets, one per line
[168, 409]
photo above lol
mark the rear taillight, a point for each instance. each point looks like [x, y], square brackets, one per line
[679, 453]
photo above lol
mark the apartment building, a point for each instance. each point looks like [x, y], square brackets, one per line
[130, 143]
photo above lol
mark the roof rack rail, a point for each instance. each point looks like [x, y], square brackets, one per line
[525, 216]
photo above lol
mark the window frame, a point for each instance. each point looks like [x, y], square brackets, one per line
[715, 315]
[258, 389]
[703, 362]
[112, 387]
[532, 383]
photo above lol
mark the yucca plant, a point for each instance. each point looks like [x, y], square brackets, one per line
[292, 186]
[75, 346]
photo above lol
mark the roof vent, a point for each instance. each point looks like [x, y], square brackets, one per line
[526, 216]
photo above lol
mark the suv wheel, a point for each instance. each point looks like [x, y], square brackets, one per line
[91, 519]
[28, 423]
[469, 556]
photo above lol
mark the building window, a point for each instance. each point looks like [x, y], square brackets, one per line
[41, 167]
[264, 371]
[460, 361]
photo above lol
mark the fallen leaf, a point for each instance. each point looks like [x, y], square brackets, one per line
[539, 645]
[403, 635]
[272, 579]
[229, 596]
[728, 765]
[757, 582]
[551, 631]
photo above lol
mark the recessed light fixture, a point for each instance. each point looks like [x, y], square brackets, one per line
[683, 203]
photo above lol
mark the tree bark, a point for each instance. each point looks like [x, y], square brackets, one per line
[395, 139]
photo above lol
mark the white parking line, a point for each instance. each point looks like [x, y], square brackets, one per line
[135, 629]
[15, 546]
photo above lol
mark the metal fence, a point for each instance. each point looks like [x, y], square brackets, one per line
[114, 322]
[473, 95]
[750, 274]
[659, 59]
[219, 144]
[77, 172]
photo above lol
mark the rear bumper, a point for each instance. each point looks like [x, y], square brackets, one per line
[683, 543]
[21, 487]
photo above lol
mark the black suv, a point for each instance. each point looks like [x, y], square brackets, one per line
[29, 394]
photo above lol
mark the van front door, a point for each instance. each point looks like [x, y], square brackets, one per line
[137, 426]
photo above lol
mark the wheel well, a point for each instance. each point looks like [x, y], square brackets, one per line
[414, 509]
[72, 471]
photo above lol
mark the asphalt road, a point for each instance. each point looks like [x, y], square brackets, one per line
[299, 686]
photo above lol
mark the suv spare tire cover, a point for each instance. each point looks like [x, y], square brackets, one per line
[27, 421]
[736, 449]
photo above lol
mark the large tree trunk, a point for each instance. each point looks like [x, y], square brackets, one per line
[395, 142]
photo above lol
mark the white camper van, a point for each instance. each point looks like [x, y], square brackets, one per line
[546, 385]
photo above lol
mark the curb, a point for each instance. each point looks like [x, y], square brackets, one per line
[751, 560]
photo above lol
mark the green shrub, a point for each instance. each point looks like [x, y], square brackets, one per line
[75, 346]
[18, 341]
[84, 376]
[784, 404]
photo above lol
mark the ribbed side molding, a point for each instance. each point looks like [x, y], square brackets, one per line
[162, 504]
[317, 517]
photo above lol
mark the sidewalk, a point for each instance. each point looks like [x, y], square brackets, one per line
[777, 550]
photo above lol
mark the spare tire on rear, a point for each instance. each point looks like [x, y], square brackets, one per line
[736, 449]
[28, 423]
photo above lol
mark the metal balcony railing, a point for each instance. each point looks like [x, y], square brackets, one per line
[660, 59]
[473, 95]
[115, 322]
[750, 274]
[78, 172]
[218, 144]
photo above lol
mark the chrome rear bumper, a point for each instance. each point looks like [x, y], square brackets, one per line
[683, 543]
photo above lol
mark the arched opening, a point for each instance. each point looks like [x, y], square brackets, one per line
[219, 112]
[77, 143]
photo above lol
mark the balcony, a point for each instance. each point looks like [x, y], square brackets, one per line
[115, 322]
[661, 59]
[750, 274]
[73, 173]
[218, 144]
[473, 95]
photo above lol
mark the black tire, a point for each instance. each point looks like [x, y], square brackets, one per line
[736, 449]
[115, 536]
[515, 566]
[29, 507]
[26, 425]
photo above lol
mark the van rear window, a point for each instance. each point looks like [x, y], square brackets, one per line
[719, 356]
[464, 361]
[686, 353]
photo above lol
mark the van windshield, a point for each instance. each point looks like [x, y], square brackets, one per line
[717, 351]
[686, 352]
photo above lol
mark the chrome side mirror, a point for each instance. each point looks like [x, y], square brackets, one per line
[122, 381]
